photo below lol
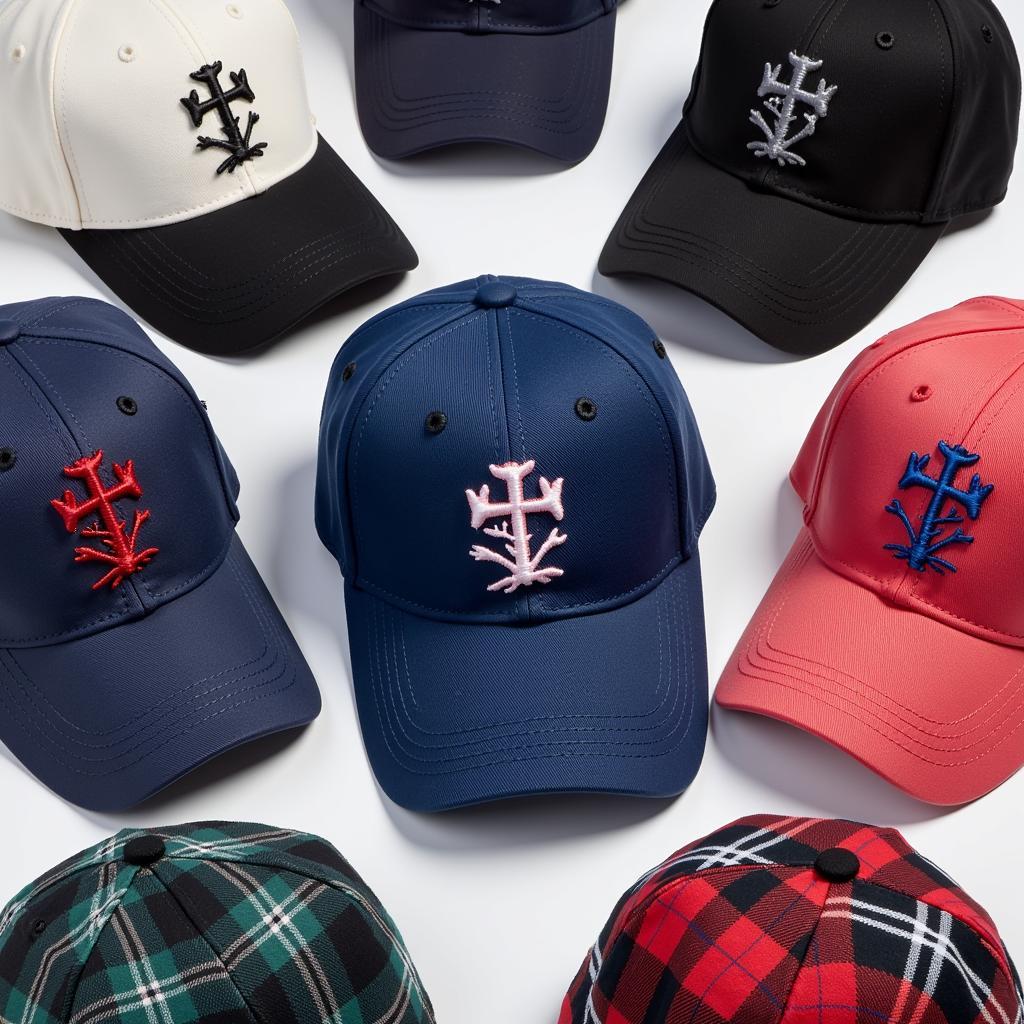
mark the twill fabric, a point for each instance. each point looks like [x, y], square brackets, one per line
[741, 927]
[235, 924]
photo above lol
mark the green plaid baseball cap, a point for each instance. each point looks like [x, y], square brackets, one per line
[215, 922]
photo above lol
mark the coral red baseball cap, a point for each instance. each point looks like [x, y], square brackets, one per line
[895, 628]
[796, 921]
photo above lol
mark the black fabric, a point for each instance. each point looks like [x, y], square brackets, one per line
[800, 279]
[806, 250]
[419, 89]
[239, 277]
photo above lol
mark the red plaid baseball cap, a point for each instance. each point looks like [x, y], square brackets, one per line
[798, 921]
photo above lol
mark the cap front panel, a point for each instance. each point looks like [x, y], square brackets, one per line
[524, 16]
[920, 479]
[850, 112]
[35, 182]
[549, 490]
[116, 496]
[141, 148]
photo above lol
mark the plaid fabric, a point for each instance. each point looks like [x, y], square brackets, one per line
[740, 927]
[236, 924]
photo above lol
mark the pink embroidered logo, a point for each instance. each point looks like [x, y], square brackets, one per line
[523, 565]
[108, 528]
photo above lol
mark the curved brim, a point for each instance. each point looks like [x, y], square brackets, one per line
[418, 90]
[800, 279]
[111, 719]
[239, 277]
[935, 711]
[459, 714]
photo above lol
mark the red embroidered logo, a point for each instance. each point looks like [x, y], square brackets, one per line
[108, 528]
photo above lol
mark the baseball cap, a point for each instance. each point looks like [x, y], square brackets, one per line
[206, 923]
[137, 639]
[514, 484]
[893, 629]
[824, 150]
[173, 145]
[534, 74]
[799, 920]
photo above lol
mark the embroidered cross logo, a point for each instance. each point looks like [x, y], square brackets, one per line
[782, 108]
[109, 529]
[237, 144]
[921, 552]
[523, 565]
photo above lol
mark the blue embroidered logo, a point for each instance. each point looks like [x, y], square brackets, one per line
[921, 552]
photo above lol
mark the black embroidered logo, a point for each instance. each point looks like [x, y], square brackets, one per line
[237, 144]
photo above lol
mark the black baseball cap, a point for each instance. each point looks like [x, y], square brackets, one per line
[825, 148]
[532, 73]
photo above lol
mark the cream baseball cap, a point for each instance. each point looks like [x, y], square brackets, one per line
[172, 143]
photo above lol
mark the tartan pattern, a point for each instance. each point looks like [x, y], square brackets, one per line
[739, 927]
[236, 924]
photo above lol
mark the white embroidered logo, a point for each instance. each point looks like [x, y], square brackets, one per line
[522, 566]
[782, 105]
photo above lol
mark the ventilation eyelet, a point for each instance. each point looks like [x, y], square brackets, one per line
[436, 422]
[885, 40]
[127, 405]
[8, 457]
[921, 393]
[659, 348]
[348, 372]
[586, 409]
[987, 34]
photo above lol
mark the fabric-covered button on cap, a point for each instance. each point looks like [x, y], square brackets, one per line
[495, 295]
[144, 850]
[837, 865]
[9, 331]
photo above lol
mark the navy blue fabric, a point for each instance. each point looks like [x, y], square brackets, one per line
[418, 88]
[392, 506]
[523, 16]
[109, 694]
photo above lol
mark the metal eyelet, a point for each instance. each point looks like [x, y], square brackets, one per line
[127, 405]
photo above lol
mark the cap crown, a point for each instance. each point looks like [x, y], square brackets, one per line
[525, 17]
[740, 926]
[926, 425]
[401, 507]
[911, 114]
[96, 134]
[80, 379]
[235, 923]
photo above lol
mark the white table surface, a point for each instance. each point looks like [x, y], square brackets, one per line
[500, 904]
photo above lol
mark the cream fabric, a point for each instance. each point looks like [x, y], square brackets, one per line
[94, 134]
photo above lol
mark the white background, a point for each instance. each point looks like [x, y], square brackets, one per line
[500, 904]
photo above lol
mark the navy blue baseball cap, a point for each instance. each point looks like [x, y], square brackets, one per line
[137, 640]
[532, 73]
[513, 482]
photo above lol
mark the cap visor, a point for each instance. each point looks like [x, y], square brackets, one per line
[936, 712]
[419, 89]
[459, 714]
[108, 720]
[800, 279]
[239, 277]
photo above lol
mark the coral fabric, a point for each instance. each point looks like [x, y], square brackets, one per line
[895, 628]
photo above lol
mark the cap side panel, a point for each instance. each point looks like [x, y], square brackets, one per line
[976, 316]
[40, 970]
[35, 180]
[152, 966]
[296, 946]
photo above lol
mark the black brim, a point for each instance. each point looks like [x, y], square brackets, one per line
[239, 277]
[418, 90]
[112, 718]
[799, 278]
[455, 714]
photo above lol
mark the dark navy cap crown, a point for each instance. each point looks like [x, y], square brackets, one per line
[523, 372]
[81, 378]
[523, 16]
